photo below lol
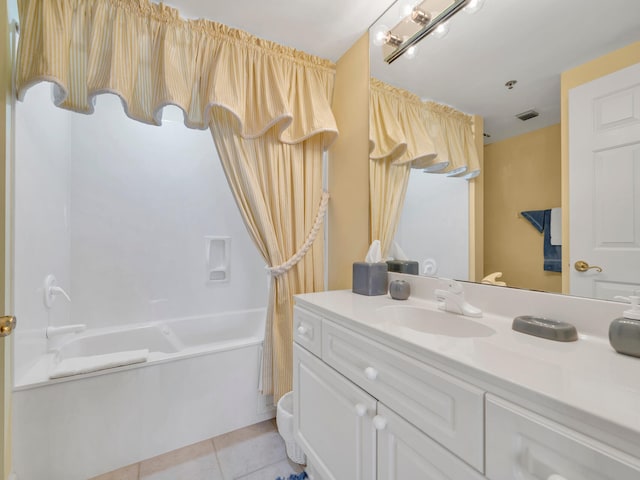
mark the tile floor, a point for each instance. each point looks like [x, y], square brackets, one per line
[256, 452]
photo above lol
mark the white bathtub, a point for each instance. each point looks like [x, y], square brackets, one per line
[201, 380]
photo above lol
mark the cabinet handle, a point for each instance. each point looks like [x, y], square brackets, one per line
[555, 476]
[379, 422]
[303, 329]
[371, 373]
[361, 409]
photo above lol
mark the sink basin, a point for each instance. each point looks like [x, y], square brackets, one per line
[434, 322]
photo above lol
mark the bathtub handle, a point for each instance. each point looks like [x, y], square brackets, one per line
[51, 290]
[59, 291]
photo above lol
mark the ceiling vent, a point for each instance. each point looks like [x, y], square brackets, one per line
[529, 114]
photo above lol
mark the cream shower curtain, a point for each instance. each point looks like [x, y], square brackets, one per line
[406, 132]
[267, 106]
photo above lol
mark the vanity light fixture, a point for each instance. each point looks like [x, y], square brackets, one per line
[428, 16]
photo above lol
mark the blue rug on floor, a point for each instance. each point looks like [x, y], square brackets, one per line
[293, 476]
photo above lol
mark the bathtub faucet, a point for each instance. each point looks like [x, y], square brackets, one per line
[55, 331]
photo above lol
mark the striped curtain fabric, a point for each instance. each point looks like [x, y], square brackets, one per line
[405, 133]
[267, 106]
[150, 57]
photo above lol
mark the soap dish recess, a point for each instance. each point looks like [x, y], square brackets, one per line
[545, 328]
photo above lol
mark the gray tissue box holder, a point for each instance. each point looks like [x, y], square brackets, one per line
[370, 278]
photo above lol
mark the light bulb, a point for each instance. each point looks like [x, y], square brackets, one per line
[406, 9]
[473, 6]
[379, 35]
[441, 30]
[411, 52]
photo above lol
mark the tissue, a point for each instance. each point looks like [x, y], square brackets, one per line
[374, 255]
[397, 253]
[370, 276]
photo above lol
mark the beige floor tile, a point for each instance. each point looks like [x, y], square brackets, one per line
[283, 469]
[195, 462]
[249, 449]
[127, 473]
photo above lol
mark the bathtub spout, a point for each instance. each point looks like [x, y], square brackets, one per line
[55, 331]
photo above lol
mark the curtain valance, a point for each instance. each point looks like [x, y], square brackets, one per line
[397, 130]
[407, 130]
[150, 57]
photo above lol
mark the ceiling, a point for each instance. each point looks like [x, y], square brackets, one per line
[531, 41]
[325, 28]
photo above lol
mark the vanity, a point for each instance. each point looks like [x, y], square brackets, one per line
[387, 389]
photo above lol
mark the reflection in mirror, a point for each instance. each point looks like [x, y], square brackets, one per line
[511, 58]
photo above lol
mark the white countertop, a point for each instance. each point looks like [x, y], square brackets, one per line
[586, 375]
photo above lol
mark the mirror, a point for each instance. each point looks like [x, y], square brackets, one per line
[505, 59]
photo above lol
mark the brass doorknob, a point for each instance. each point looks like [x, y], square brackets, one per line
[7, 324]
[583, 266]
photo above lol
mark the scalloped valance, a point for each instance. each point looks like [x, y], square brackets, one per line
[150, 57]
[428, 135]
[397, 130]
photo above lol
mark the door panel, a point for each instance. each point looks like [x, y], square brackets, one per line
[333, 420]
[524, 445]
[404, 452]
[604, 185]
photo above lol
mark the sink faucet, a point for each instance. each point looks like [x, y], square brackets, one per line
[450, 298]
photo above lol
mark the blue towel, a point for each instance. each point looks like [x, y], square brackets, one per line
[541, 220]
[294, 476]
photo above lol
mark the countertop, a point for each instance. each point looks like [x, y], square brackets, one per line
[585, 376]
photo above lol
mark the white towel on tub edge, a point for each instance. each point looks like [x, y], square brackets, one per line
[94, 363]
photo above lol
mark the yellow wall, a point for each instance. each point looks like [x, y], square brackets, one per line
[616, 60]
[520, 173]
[348, 225]
[476, 209]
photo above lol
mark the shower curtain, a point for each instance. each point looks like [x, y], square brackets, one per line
[267, 106]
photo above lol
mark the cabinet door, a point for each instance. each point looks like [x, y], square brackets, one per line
[447, 409]
[333, 420]
[404, 452]
[524, 445]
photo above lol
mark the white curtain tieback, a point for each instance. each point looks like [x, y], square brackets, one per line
[299, 255]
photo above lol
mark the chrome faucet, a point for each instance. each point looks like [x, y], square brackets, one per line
[450, 298]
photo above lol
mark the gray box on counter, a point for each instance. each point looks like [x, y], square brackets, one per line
[403, 266]
[370, 278]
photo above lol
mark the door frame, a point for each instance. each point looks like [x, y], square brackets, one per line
[6, 380]
[585, 73]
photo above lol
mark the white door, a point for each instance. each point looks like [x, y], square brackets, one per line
[604, 185]
[404, 452]
[5, 342]
[333, 420]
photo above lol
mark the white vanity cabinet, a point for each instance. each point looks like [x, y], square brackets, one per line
[366, 410]
[348, 435]
[522, 444]
[352, 434]
[333, 420]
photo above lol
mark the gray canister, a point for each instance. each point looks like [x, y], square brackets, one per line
[624, 336]
[399, 289]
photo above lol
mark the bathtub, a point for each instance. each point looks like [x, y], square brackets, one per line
[201, 379]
